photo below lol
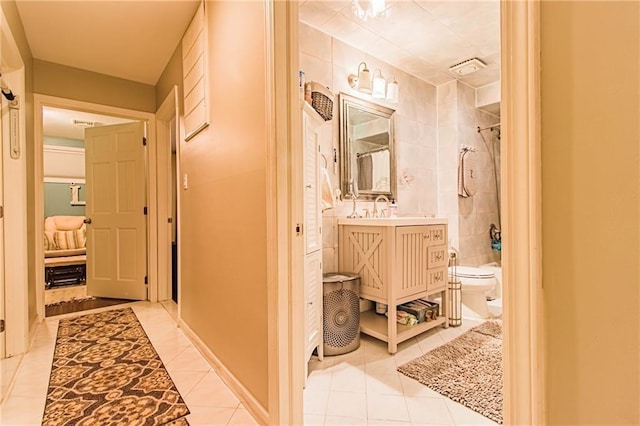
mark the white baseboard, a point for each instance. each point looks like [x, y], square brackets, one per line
[251, 404]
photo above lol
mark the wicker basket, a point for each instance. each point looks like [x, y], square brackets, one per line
[322, 100]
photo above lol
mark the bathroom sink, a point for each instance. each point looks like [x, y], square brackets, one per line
[392, 221]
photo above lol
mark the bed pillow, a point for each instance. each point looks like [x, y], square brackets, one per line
[81, 237]
[66, 240]
[49, 241]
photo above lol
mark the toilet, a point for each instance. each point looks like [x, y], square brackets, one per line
[476, 283]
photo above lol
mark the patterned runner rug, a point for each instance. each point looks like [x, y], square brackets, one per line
[468, 369]
[106, 372]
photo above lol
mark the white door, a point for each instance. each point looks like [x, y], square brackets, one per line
[312, 210]
[116, 220]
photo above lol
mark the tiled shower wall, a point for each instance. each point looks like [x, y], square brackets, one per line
[477, 213]
[431, 125]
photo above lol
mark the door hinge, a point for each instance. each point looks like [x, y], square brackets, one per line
[299, 229]
[1, 326]
[144, 141]
[144, 210]
[146, 279]
[1, 212]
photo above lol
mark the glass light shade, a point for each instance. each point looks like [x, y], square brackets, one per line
[392, 91]
[377, 7]
[379, 87]
[364, 81]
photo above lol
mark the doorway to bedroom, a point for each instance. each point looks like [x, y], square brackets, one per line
[68, 233]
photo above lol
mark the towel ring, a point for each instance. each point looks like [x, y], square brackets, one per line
[326, 163]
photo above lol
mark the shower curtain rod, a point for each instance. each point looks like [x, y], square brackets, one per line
[488, 128]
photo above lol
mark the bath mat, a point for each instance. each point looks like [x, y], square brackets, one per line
[106, 372]
[467, 370]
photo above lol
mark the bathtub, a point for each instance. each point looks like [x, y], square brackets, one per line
[495, 305]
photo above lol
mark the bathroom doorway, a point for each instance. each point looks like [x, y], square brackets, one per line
[436, 113]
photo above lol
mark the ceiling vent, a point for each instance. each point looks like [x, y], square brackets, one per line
[467, 67]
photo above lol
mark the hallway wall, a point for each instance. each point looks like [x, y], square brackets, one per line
[590, 208]
[81, 85]
[223, 211]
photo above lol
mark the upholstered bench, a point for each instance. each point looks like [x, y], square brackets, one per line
[64, 250]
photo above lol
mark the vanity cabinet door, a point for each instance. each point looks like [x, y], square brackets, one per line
[411, 260]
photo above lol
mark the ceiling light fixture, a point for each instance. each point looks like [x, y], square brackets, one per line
[365, 9]
[361, 82]
[83, 123]
[467, 67]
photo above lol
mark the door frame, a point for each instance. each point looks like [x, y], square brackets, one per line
[523, 311]
[14, 182]
[168, 110]
[41, 101]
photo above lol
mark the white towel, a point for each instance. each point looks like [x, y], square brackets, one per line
[381, 172]
[327, 191]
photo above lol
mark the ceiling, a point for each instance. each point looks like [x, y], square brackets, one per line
[58, 122]
[133, 40]
[422, 37]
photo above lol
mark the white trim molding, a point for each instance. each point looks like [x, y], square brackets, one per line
[238, 389]
[521, 226]
[286, 333]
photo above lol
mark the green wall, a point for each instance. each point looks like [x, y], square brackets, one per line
[57, 200]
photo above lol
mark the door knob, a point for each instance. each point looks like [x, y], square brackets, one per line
[87, 221]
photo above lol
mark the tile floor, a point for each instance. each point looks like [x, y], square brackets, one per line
[359, 388]
[364, 388]
[206, 395]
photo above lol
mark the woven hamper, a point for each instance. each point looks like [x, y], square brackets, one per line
[322, 100]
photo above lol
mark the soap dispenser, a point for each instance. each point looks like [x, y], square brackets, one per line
[393, 209]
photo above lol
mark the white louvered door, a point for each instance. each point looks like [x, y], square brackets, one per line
[312, 232]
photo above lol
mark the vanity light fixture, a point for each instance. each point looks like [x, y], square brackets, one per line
[379, 85]
[392, 91]
[361, 82]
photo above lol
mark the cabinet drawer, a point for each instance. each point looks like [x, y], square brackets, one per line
[436, 235]
[437, 256]
[436, 279]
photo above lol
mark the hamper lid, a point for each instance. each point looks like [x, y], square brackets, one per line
[338, 277]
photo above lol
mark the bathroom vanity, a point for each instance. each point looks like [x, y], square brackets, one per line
[398, 260]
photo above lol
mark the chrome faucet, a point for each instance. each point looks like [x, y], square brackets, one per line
[375, 206]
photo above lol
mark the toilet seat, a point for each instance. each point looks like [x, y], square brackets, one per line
[471, 272]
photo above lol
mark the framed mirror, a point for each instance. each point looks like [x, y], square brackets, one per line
[368, 166]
